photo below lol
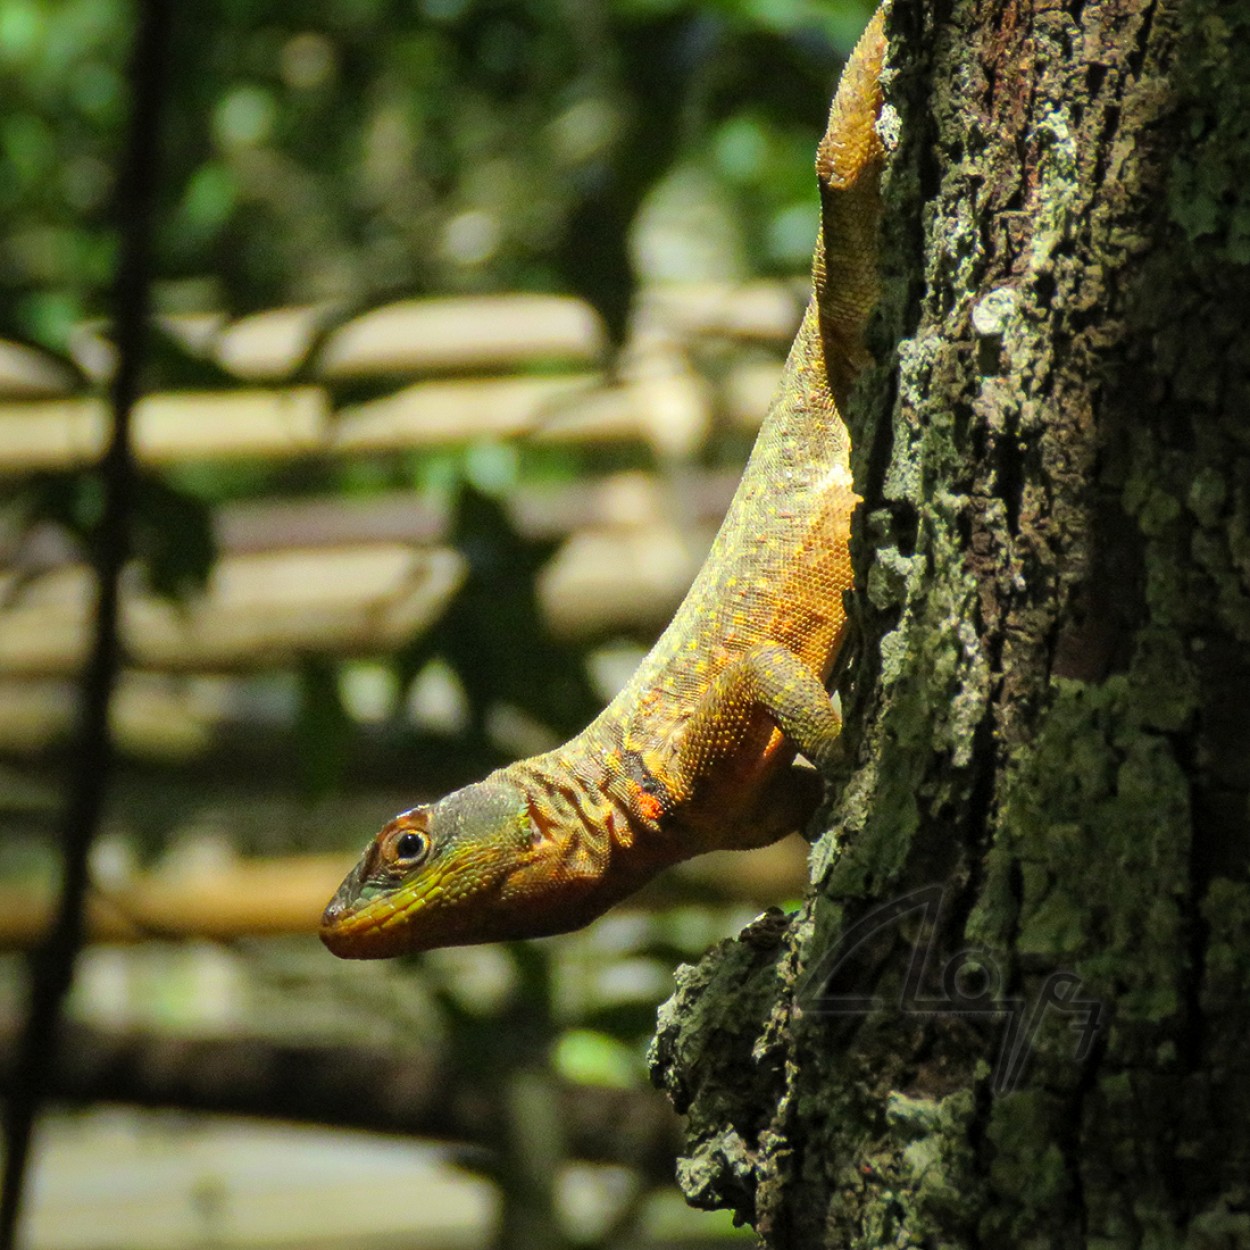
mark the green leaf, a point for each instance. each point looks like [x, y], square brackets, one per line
[589, 1058]
[323, 729]
[628, 1021]
[173, 366]
[69, 499]
[173, 538]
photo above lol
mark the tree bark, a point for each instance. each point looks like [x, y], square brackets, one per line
[1013, 1012]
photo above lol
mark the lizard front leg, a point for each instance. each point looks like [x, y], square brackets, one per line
[768, 680]
[726, 769]
[732, 753]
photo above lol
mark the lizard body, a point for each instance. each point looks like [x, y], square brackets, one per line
[697, 752]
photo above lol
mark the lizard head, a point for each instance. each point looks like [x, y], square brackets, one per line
[473, 867]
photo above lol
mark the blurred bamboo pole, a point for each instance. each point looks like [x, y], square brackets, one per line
[283, 897]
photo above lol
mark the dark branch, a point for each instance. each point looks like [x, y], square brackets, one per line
[52, 966]
[417, 1093]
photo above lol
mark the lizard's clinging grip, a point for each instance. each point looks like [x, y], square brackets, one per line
[697, 752]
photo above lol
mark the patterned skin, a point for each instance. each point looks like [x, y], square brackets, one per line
[697, 752]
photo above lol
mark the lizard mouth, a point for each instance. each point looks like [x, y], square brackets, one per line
[339, 910]
[365, 922]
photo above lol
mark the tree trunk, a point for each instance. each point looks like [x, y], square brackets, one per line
[1014, 1011]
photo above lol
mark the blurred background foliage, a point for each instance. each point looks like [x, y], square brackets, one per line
[354, 150]
[345, 154]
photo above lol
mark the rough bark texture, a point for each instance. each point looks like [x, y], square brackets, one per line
[1044, 1044]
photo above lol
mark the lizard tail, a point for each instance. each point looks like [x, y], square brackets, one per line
[848, 166]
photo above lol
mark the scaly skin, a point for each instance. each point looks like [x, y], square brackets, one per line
[697, 752]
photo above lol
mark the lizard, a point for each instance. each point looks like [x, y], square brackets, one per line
[697, 752]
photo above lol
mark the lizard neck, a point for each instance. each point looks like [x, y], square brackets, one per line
[602, 823]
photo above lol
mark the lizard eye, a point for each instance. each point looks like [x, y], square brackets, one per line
[410, 848]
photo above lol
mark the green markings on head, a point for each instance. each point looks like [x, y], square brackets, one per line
[432, 876]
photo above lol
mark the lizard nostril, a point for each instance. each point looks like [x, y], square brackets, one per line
[342, 904]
